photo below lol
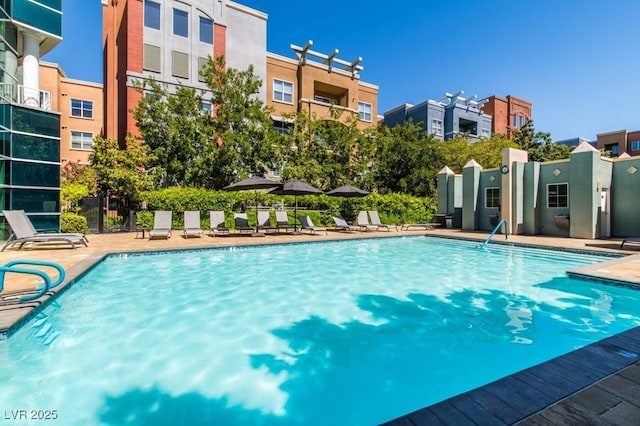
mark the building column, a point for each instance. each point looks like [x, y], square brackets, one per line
[30, 70]
[470, 187]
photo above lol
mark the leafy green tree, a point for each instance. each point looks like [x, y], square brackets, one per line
[202, 148]
[121, 171]
[538, 145]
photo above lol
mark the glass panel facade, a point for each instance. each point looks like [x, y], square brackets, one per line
[34, 148]
[35, 174]
[34, 121]
[38, 16]
[35, 200]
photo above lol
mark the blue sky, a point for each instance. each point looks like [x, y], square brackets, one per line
[576, 61]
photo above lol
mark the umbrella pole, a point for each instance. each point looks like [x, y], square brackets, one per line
[257, 234]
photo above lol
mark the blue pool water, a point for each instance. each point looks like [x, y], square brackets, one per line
[350, 332]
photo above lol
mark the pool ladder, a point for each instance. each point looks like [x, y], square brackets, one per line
[18, 267]
[496, 229]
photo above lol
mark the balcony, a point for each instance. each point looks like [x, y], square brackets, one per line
[17, 93]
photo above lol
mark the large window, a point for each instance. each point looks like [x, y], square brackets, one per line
[364, 111]
[80, 108]
[206, 30]
[151, 14]
[492, 197]
[558, 195]
[81, 140]
[180, 23]
[282, 91]
[436, 127]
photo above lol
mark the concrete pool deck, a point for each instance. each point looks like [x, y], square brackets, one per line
[598, 384]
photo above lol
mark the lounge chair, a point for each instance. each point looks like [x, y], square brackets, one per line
[264, 221]
[363, 222]
[633, 240]
[216, 223]
[23, 232]
[307, 223]
[342, 225]
[375, 220]
[161, 225]
[242, 222]
[192, 224]
[282, 221]
[425, 226]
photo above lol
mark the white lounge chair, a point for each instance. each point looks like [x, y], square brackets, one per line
[633, 240]
[342, 225]
[375, 220]
[282, 221]
[23, 232]
[363, 222]
[161, 225]
[264, 221]
[192, 224]
[307, 224]
[216, 223]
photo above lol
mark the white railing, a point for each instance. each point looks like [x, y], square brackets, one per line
[26, 96]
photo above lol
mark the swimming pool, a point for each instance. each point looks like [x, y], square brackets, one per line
[349, 332]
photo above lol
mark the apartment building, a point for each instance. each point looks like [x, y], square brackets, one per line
[315, 83]
[30, 157]
[507, 113]
[80, 105]
[169, 41]
[619, 142]
[444, 119]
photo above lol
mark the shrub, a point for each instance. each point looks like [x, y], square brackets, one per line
[73, 223]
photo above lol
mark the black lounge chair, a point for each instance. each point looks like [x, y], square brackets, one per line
[242, 223]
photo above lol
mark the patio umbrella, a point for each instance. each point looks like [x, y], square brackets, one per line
[255, 183]
[347, 191]
[296, 187]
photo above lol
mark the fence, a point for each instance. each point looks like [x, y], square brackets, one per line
[108, 214]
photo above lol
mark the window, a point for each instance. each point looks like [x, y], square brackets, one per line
[80, 108]
[180, 64]
[206, 30]
[202, 63]
[282, 126]
[81, 140]
[634, 146]
[364, 111]
[206, 106]
[180, 23]
[282, 91]
[557, 195]
[486, 132]
[150, 58]
[323, 99]
[492, 197]
[436, 127]
[152, 14]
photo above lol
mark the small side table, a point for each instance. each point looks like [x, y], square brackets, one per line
[142, 231]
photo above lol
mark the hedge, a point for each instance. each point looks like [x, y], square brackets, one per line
[392, 208]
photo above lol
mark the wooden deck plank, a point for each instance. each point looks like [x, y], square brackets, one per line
[632, 373]
[448, 414]
[622, 387]
[474, 410]
[596, 399]
[623, 414]
[566, 414]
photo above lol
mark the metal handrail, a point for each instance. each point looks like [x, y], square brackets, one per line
[38, 291]
[496, 229]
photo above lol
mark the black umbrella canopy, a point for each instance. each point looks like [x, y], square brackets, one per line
[255, 182]
[296, 187]
[347, 191]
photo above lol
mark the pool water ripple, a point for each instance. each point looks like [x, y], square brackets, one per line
[350, 333]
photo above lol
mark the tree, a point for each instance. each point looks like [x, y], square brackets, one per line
[538, 145]
[199, 147]
[121, 171]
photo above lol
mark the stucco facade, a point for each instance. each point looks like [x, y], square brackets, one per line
[585, 196]
[308, 86]
[80, 104]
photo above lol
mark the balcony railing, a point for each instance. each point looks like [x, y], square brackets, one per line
[17, 93]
